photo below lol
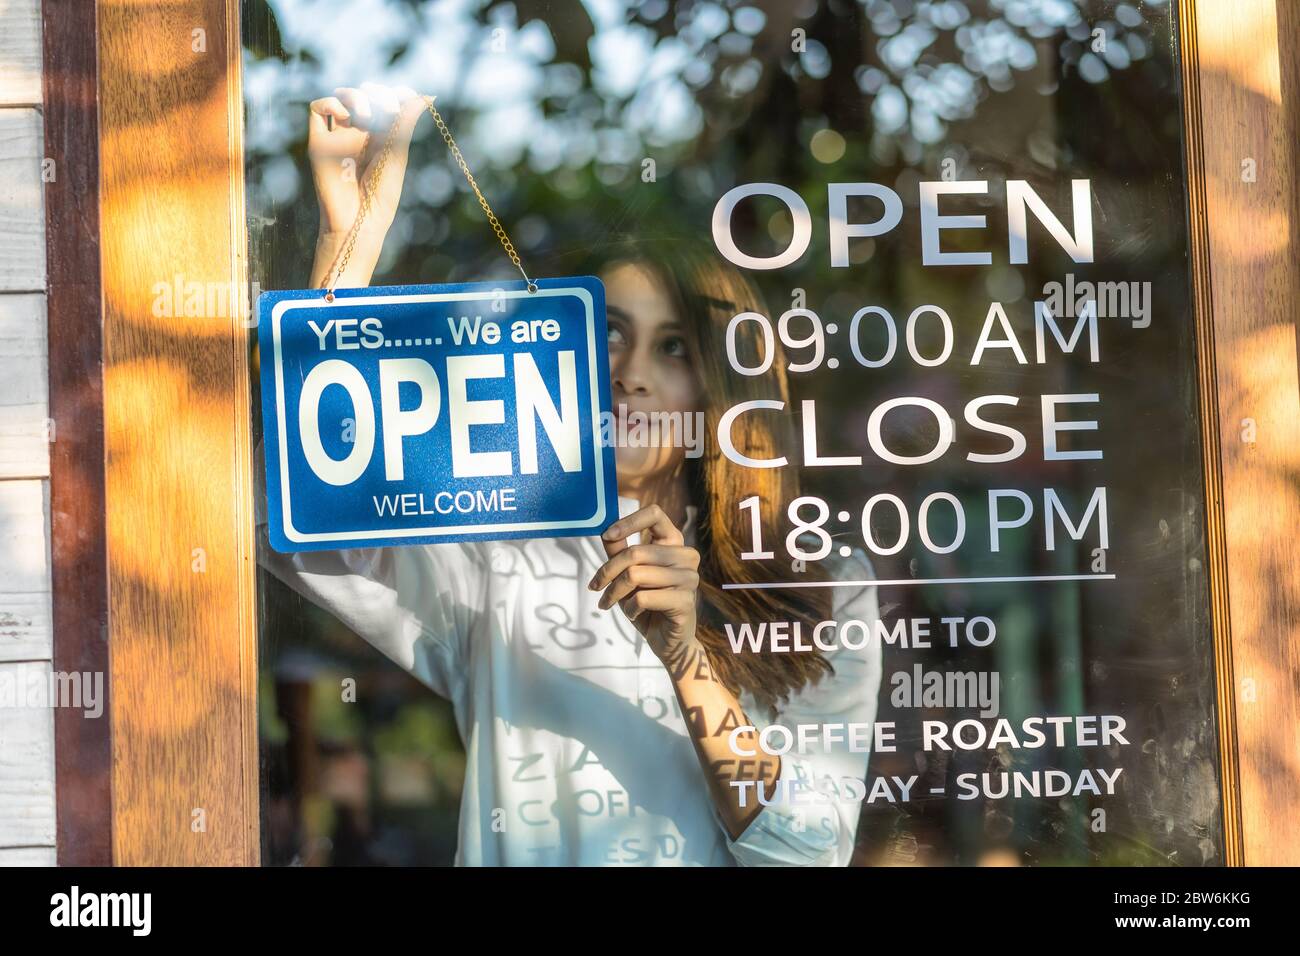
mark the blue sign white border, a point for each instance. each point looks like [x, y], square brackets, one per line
[596, 522]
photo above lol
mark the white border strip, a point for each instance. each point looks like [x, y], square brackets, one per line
[293, 534]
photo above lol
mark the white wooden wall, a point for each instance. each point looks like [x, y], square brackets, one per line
[26, 733]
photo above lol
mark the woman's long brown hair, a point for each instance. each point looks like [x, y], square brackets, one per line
[709, 293]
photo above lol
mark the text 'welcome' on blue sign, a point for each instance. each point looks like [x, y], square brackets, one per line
[418, 414]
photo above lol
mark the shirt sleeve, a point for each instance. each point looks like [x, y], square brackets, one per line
[413, 604]
[813, 817]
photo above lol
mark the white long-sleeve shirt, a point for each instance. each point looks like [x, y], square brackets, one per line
[577, 751]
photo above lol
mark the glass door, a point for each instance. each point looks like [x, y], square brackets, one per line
[924, 270]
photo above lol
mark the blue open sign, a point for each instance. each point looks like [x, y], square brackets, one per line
[419, 414]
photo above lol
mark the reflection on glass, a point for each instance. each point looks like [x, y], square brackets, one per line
[617, 124]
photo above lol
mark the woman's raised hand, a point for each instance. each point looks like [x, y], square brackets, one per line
[655, 582]
[345, 138]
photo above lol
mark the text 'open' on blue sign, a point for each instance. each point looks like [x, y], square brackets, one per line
[419, 414]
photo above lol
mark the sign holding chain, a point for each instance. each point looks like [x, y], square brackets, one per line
[368, 188]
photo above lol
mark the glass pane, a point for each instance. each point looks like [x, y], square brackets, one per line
[962, 268]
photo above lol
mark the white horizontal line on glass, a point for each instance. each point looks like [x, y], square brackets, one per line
[910, 581]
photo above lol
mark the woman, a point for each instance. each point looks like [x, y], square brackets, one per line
[595, 688]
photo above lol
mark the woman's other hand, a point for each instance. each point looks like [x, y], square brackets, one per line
[655, 582]
[345, 138]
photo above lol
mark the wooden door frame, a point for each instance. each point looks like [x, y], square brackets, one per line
[169, 551]
[78, 549]
[163, 555]
[1241, 66]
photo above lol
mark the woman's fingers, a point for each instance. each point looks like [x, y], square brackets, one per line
[662, 555]
[371, 108]
[328, 107]
[648, 576]
[375, 107]
[331, 137]
[381, 98]
[665, 600]
[650, 518]
[347, 133]
[335, 160]
[357, 103]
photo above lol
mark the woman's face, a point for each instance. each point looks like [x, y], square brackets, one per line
[651, 370]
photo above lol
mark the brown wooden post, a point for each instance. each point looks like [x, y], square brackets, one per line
[176, 429]
[1243, 173]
